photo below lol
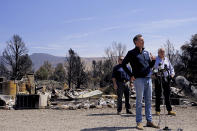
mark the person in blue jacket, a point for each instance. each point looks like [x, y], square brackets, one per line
[141, 63]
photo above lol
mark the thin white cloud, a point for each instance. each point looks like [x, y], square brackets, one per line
[79, 20]
[92, 18]
[104, 29]
[136, 11]
[146, 28]
[78, 46]
[62, 46]
[111, 28]
[44, 48]
[126, 13]
[48, 47]
[175, 21]
[165, 24]
[75, 36]
[155, 36]
[85, 34]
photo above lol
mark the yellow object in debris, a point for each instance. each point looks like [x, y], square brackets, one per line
[31, 84]
[110, 96]
[65, 86]
[9, 88]
[22, 88]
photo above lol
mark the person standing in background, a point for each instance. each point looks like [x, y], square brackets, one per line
[163, 62]
[121, 83]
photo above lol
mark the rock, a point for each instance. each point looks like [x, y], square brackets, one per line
[185, 102]
[65, 107]
[132, 91]
[189, 88]
[57, 107]
[86, 106]
[54, 103]
[110, 106]
[72, 107]
[110, 103]
[99, 106]
[183, 84]
[133, 96]
[79, 106]
[194, 104]
[175, 93]
[7, 100]
[75, 93]
[102, 102]
[93, 105]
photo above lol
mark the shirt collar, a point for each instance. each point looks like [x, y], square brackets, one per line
[161, 59]
[138, 50]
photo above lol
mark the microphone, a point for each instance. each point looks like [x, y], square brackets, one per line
[166, 67]
[160, 66]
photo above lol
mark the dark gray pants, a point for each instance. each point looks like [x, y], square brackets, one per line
[166, 93]
[123, 88]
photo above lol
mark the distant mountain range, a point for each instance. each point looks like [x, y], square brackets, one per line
[38, 60]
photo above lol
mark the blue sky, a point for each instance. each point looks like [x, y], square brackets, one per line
[90, 26]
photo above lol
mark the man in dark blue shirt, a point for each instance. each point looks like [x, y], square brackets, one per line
[141, 63]
[121, 83]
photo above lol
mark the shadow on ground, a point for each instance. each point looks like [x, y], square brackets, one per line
[102, 114]
[107, 128]
[122, 115]
[133, 115]
[128, 115]
[111, 114]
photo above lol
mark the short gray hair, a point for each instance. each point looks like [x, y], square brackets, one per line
[161, 49]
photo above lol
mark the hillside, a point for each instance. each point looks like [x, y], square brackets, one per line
[39, 58]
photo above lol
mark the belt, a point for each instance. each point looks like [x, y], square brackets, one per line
[125, 81]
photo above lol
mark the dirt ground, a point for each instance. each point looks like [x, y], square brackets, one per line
[89, 120]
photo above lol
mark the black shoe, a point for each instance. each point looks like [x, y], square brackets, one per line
[129, 112]
[118, 113]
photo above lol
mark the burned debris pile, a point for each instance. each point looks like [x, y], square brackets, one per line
[29, 94]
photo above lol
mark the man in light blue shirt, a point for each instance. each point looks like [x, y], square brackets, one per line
[163, 63]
